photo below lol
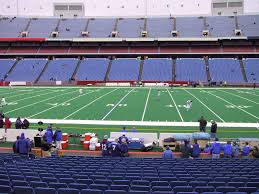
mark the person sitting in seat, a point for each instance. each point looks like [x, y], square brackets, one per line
[215, 149]
[228, 150]
[123, 138]
[186, 149]
[105, 146]
[246, 150]
[168, 154]
[114, 149]
[196, 149]
[124, 148]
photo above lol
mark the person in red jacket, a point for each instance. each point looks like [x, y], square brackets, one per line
[7, 124]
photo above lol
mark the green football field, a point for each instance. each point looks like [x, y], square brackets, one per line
[111, 106]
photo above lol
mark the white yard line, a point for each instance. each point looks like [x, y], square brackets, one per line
[39, 102]
[144, 112]
[175, 105]
[140, 123]
[58, 105]
[233, 105]
[246, 93]
[240, 97]
[1, 94]
[205, 105]
[118, 103]
[39, 91]
[89, 104]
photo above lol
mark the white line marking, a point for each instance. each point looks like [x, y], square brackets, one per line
[175, 105]
[205, 106]
[144, 112]
[118, 103]
[39, 91]
[89, 104]
[59, 103]
[240, 97]
[39, 101]
[140, 123]
[234, 105]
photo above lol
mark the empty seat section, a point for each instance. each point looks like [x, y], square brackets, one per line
[190, 70]
[130, 27]
[159, 27]
[27, 70]
[5, 66]
[59, 70]
[42, 27]
[249, 25]
[124, 69]
[189, 26]
[225, 70]
[252, 69]
[71, 28]
[12, 27]
[221, 26]
[101, 27]
[157, 70]
[92, 69]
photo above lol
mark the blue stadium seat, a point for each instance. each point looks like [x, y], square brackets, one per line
[177, 189]
[57, 185]
[222, 179]
[32, 178]
[140, 182]
[115, 192]
[20, 183]
[85, 181]
[66, 180]
[138, 192]
[197, 183]
[17, 177]
[43, 190]
[169, 179]
[35, 184]
[216, 184]
[201, 189]
[159, 183]
[161, 188]
[103, 181]
[247, 189]
[236, 192]
[119, 187]
[178, 183]
[121, 182]
[226, 189]
[49, 179]
[78, 186]
[236, 184]
[23, 190]
[139, 188]
[5, 189]
[4, 182]
[101, 187]
[68, 191]
[91, 191]
[213, 192]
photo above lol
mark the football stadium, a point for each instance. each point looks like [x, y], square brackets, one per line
[129, 97]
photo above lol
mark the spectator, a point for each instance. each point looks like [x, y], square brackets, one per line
[58, 138]
[203, 124]
[105, 146]
[134, 129]
[168, 154]
[48, 136]
[124, 148]
[46, 149]
[196, 149]
[246, 151]
[26, 124]
[207, 149]
[124, 130]
[255, 152]
[15, 149]
[186, 149]
[7, 124]
[213, 129]
[18, 123]
[1, 122]
[23, 145]
[114, 149]
[228, 150]
[123, 138]
[2, 115]
[235, 150]
[215, 149]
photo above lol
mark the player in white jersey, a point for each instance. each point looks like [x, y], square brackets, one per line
[80, 91]
[158, 95]
[3, 102]
[188, 105]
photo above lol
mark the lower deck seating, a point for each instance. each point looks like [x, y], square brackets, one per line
[5, 66]
[252, 70]
[76, 174]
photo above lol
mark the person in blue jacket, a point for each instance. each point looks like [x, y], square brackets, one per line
[246, 151]
[114, 149]
[207, 149]
[215, 149]
[168, 154]
[58, 138]
[228, 150]
[48, 136]
[124, 148]
[196, 149]
[23, 145]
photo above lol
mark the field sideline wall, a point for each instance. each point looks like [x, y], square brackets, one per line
[118, 8]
